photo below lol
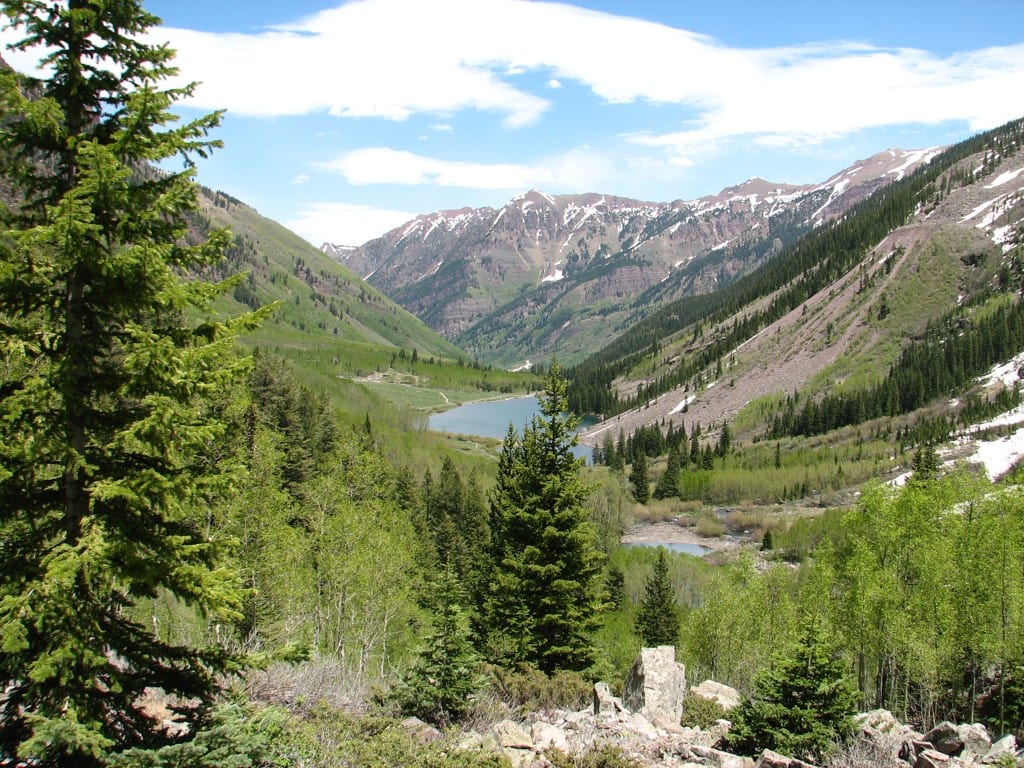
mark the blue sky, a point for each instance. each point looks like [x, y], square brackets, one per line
[347, 118]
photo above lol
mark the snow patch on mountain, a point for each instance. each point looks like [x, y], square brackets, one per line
[1004, 178]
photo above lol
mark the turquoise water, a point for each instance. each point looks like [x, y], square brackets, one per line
[491, 419]
[690, 549]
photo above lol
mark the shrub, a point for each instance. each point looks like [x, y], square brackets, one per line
[699, 712]
[528, 689]
[601, 756]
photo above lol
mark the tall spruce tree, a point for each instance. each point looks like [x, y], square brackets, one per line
[657, 620]
[544, 588]
[638, 477]
[108, 355]
[668, 484]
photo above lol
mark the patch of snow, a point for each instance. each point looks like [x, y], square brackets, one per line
[1004, 178]
[900, 480]
[720, 246]
[837, 190]
[911, 158]
[413, 226]
[741, 346]
[981, 208]
[682, 404]
[434, 224]
[1007, 373]
[1001, 236]
[498, 217]
[998, 456]
[546, 196]
[553, 278]
[524, 367]
[372, 273]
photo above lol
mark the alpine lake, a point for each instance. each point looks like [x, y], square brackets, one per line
[491, 418]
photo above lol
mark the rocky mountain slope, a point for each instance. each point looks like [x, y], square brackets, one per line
[555, 274]
[958, 250]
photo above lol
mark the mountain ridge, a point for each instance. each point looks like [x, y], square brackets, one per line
[481, 276]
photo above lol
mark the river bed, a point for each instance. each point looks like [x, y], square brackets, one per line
[676, 538]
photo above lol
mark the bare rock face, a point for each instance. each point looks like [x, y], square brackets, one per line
[604, 702]
[1005, 746]
[656, 685]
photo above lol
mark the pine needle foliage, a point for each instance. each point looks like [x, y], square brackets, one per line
[447, 672]
[657, 620]
[801, 706]
[107, 439]
[544, 590]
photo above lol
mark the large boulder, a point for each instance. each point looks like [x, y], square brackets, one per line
[727, 698]
[998, 752]
[547, 736]
[656, 685]
[945, 738]
[975, 737]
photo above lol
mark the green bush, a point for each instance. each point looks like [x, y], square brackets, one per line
[603, 756]
[527, 689]
[699, 712]
[235, 737]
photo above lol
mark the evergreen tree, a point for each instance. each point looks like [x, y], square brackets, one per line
[925, 464]
[544, 587]
[801, 705]
[724, 440]
[105, 433]
[638, 477]
[668, 483]
[657, 620]
[439, 685]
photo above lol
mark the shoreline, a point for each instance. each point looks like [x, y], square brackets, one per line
[672, 533]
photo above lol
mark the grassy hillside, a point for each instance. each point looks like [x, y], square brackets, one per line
[320, 300]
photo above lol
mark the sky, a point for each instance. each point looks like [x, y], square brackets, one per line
[346, 119]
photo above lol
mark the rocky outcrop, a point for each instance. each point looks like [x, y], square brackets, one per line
[656, 685]
[727, 698]
[641, 725]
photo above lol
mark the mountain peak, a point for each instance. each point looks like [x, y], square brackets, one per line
[535, 196]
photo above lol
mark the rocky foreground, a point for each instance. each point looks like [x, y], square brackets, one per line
[644, 725]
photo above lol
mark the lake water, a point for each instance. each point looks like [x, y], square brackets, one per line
[689, 549]
[491, 418]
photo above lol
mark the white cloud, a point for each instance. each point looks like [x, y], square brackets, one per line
[577, 169]
[345, 224]
[395, 58]
[302, 178]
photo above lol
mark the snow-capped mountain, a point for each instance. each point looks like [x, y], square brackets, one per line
[540, 257]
